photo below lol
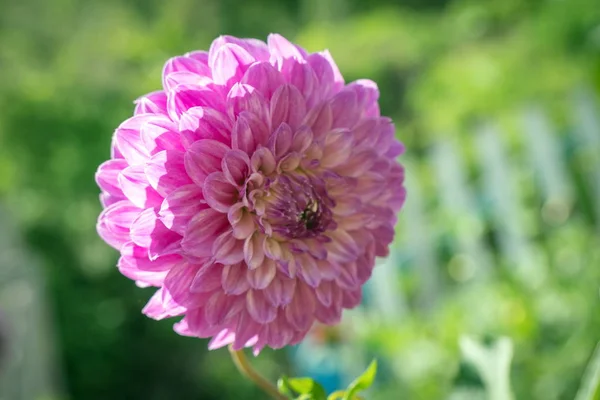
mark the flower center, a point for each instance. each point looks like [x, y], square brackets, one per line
[298, 207]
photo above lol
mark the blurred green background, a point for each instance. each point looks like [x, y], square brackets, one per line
[497, 104]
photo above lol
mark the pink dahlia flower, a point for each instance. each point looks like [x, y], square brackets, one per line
[255, 191]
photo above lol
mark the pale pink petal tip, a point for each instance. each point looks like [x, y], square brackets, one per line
[255, 191]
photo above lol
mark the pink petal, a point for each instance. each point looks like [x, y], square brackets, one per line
[241, 220]
[236, 167]
[207, 279]
[161, 306]
[152, 103]
[338, 147]
[183, 97]
[358, 163]
[178, 283]
[136, 257]
[319, 119]
[243, 97]
[166, 171]
[245, 331]
[351, 298]
[280, 47]
[348, 277]
[253, 250]
[229, 63]
[280, 141]
[344, 109]
[302, 139]
[263, 77]
[259, 308]
[262, 276]
[300, 312]
[257, 48]
[308, 269]
[136, 187]
[186, 64]
[221, 339]
[202, 231]
[331, 315]
[158, 135]
[219, 193]
[280, 291]
[263, 161]
[328, 74]
[199, 123]
[114, 222]
[342, 247]
[249, 132]
[203, 158]
[324, 293]
[302, 76]
[128, 140]
[287, 105]
[233, 279]
[107, 175]
[227, 249]
[221, 307]
[180, 206]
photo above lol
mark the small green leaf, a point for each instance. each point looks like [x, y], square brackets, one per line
[307, 387]
[362, 382]
[284, 387]
[337, 395]
[590, 385]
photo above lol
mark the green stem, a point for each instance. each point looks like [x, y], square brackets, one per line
[242, 364]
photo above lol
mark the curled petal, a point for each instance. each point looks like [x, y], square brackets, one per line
[263, 77]
[262, 276]
[300, 312]
[166, 171]
[227, 249]
[199, 123]
[287, 105]
[152, 103]
[259, 308]
[234, 280]
[236, 167]
[241, 220]
[201, 232]
[229, 63]
[253, 250]
[219, 193]
[203, 158]
[180, 206]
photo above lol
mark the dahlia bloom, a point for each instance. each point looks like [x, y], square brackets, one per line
[254, 191]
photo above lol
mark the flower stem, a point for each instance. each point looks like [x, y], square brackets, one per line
[242, 364]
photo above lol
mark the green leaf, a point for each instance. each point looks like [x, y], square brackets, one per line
[591, 379]
[306, 387]
[284, 387]
[362, 382]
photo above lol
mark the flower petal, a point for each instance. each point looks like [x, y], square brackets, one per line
[180, 206]
[203, 158]
[202, 231]
[259, 308]
[166, 171]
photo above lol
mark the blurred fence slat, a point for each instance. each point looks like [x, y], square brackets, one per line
[418, 242]
[457, 199]
[587, 129]
[504, 205]
[548, 162]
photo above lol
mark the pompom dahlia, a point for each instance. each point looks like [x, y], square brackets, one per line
[255, 191]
